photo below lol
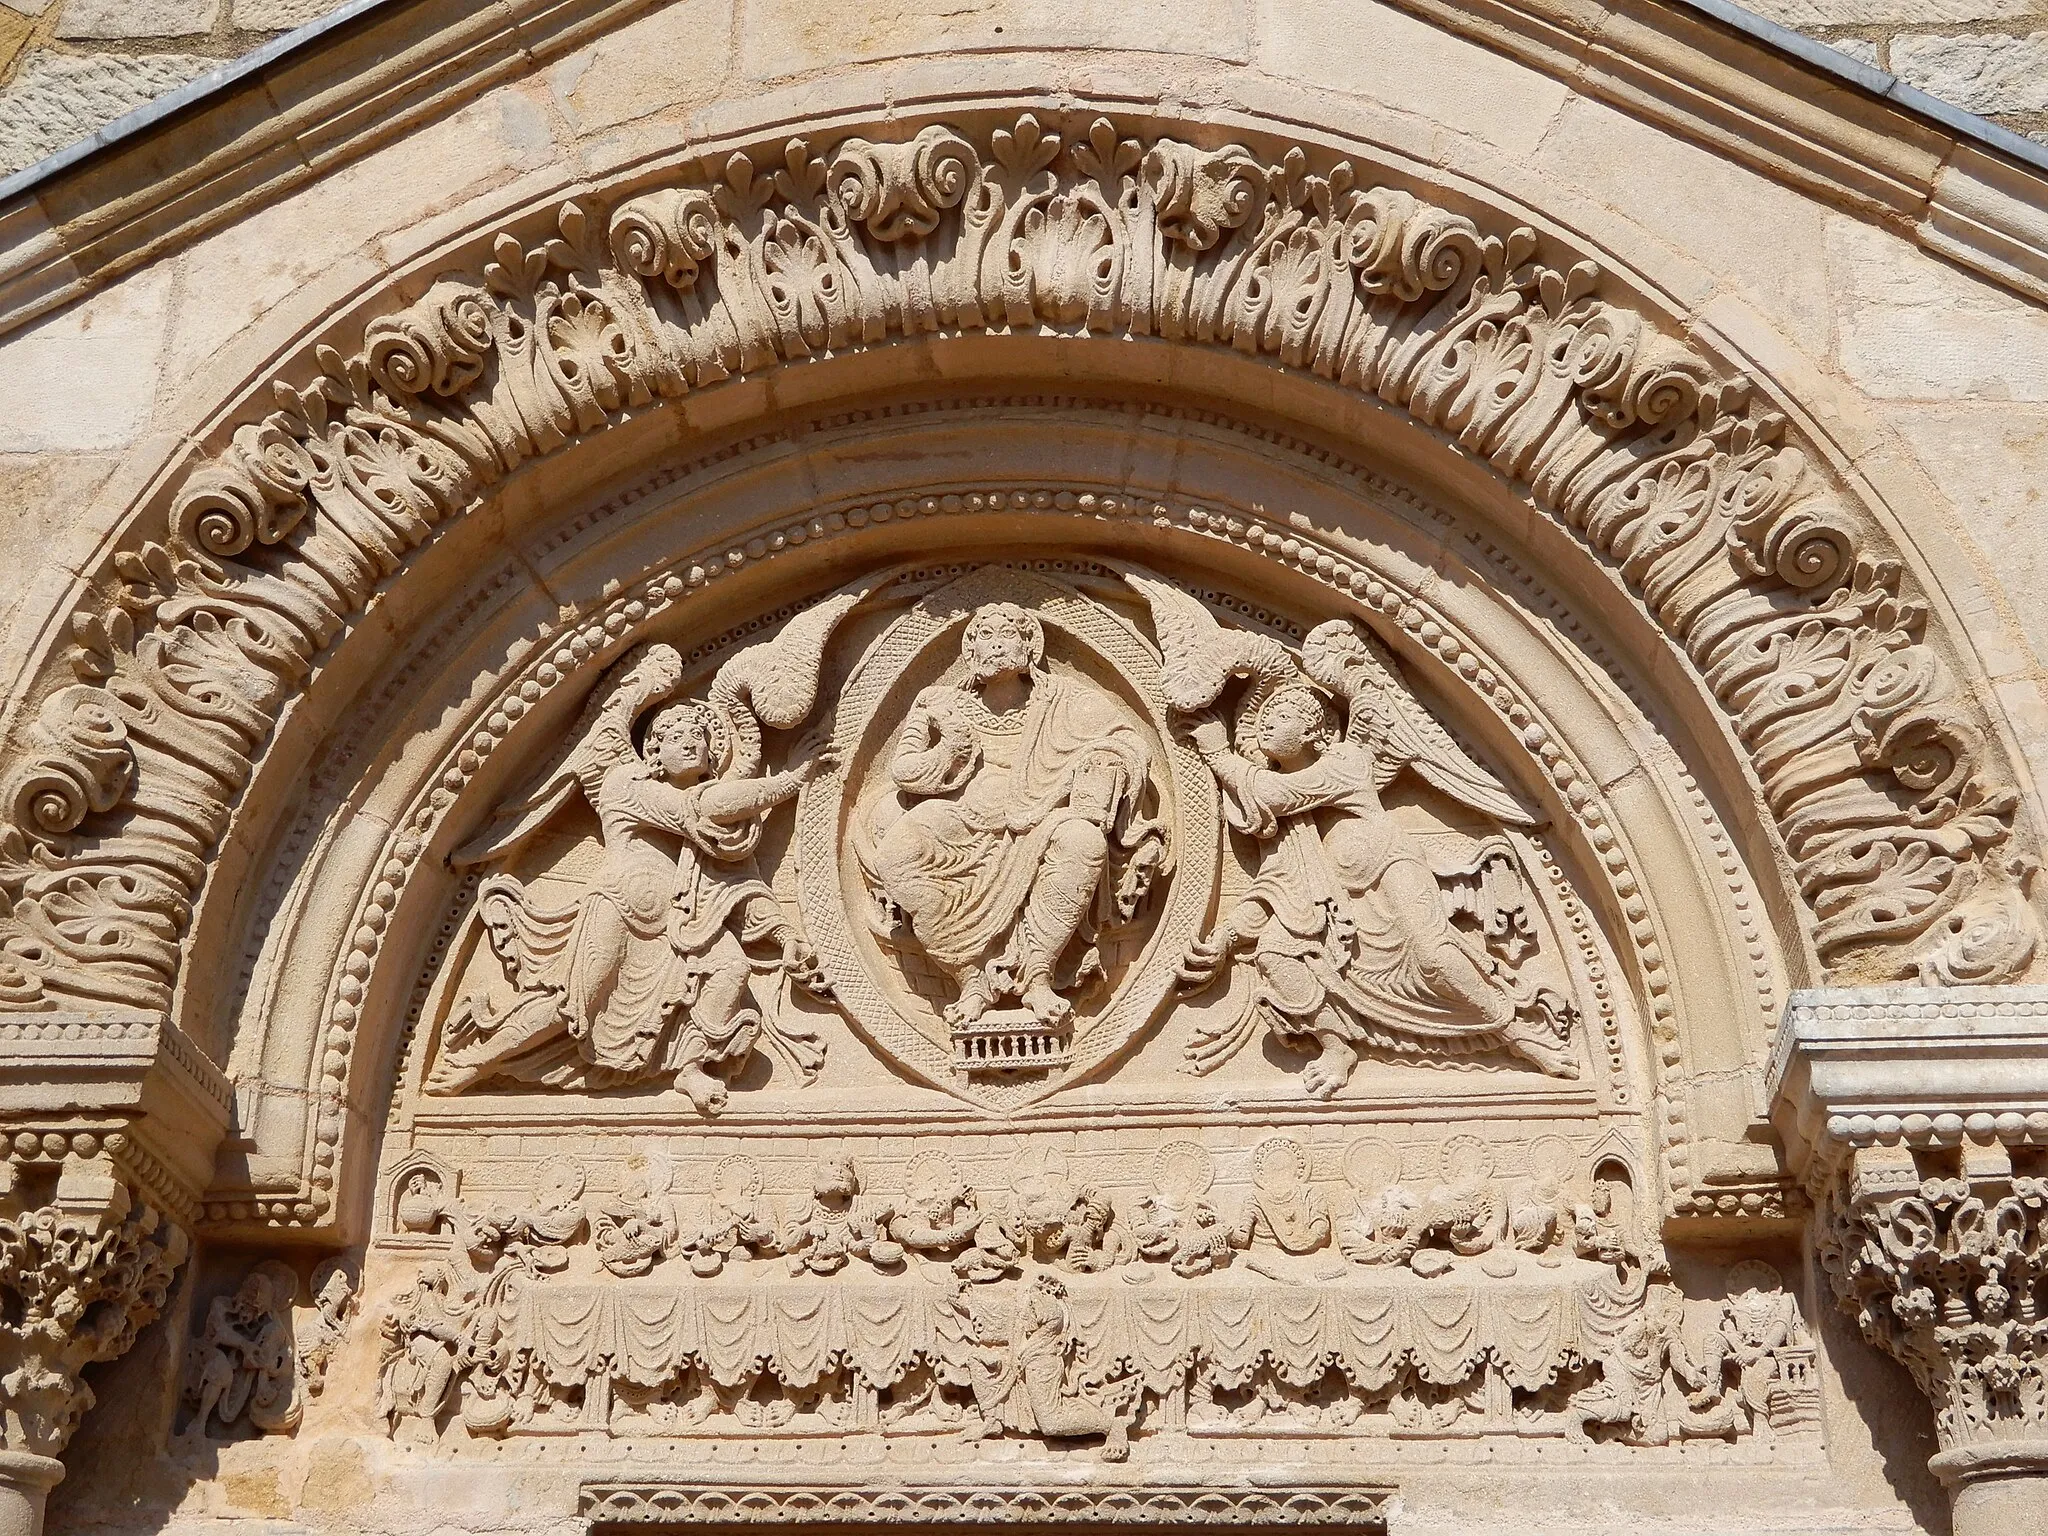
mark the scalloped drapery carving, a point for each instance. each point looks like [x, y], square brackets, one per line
[1876, 773]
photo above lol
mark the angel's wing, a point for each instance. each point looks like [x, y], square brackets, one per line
[774, 682]
[1387, 717]
[601, 738]
[1199, 656]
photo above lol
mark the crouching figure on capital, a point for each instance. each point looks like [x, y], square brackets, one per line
[1351, 936]
[675, 962]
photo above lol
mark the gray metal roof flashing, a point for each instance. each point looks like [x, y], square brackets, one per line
[212, 83]
[1864, 77]
[1876, 81]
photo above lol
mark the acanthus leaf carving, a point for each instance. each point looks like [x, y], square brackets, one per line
[1946, 1276]
[78, 1289]
[1658, 459]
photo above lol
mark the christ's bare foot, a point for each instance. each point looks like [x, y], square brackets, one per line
[1046, 1005]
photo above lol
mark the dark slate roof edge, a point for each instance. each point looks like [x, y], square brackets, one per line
[213, 82]
[1876, 81]
[1829, 61]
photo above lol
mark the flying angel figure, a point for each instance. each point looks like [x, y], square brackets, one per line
[668, 964]
[1349, 929]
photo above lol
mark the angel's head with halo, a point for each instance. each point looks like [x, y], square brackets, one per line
[1294, 726]
[685, 742]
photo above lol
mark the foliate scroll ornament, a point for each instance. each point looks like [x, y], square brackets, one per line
[1987, 940]
[77, 1291]
[671, 235]
[1347, 926]
[1950, 1278]
[1654, 456]
[1199, 196]
[899, 191]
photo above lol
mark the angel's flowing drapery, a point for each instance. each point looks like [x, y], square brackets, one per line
[1354, 935]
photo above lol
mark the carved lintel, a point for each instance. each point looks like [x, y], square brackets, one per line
[1356, 1507]
[1919, 1120]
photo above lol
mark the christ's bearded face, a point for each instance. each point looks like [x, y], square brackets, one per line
[997, 644]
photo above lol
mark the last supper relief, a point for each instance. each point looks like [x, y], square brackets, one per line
[1044, 1004]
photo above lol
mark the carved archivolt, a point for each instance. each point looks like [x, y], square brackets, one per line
[1877, 773]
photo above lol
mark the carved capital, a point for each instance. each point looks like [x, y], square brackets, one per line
[1918, 1118]
[75, 1289]
[108, 1125]
[1945, 1276]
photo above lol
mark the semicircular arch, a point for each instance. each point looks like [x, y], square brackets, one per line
[659, 308]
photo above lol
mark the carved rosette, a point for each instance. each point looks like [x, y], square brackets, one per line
[76, 1292]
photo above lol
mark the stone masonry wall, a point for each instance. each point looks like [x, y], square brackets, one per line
[1985, 56]
[67, 67]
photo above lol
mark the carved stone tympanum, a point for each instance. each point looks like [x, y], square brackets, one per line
[1006, 879]
[919, 984]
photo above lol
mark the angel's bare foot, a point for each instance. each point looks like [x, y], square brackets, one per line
[1554, 1062]
[707, 1093]
[1543, 1035]
[1330, 1070]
